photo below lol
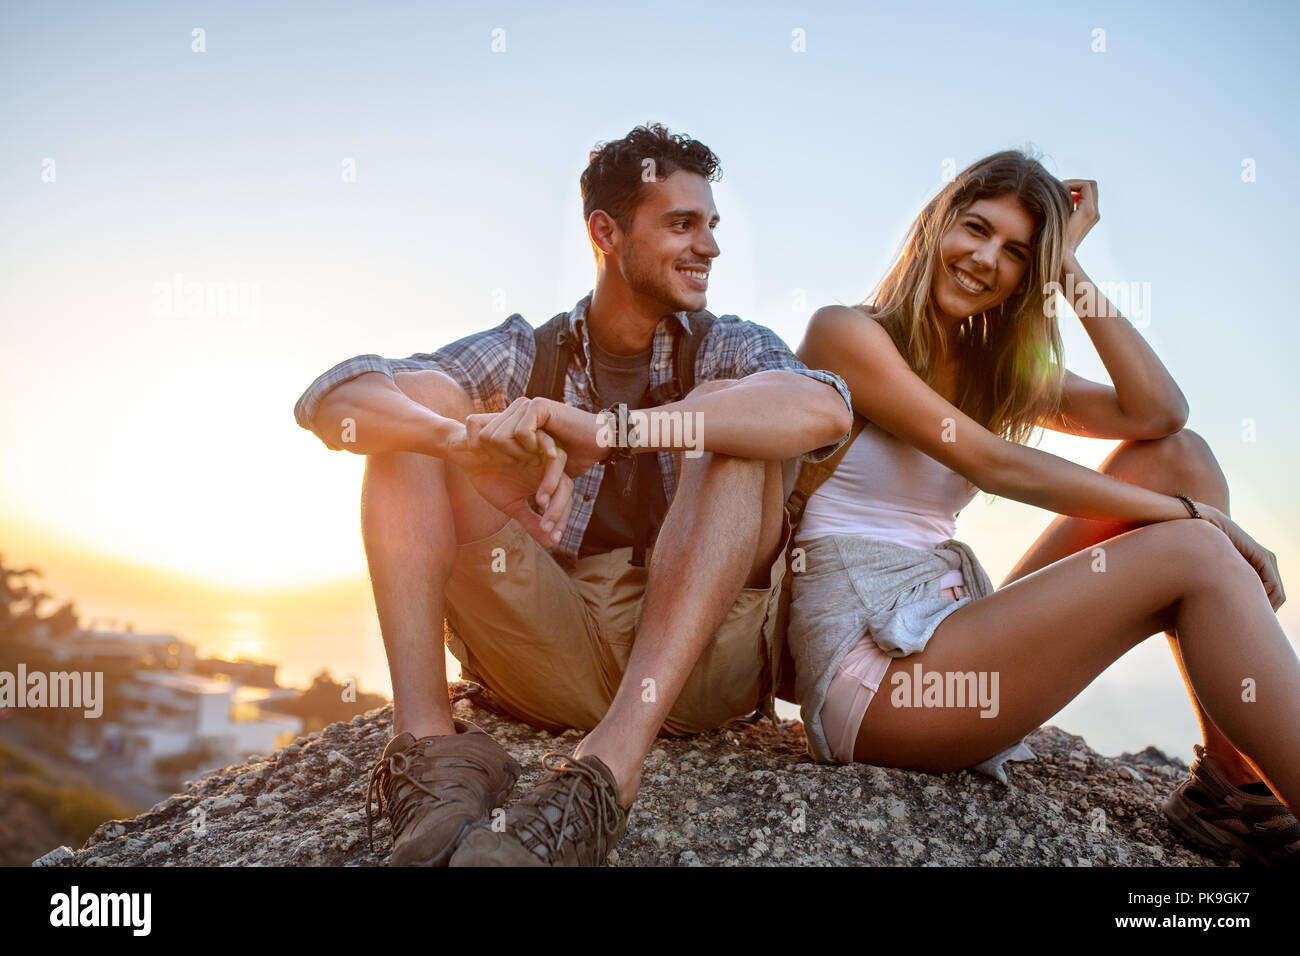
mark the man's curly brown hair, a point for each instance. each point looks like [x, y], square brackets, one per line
[613, 179]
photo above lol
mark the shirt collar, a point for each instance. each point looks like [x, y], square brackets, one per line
[578, 324]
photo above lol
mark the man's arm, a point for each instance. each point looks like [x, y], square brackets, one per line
[767, 405]
[775, 407]
[768, 415]
[371, 414]
[370, 405]
[361, 406]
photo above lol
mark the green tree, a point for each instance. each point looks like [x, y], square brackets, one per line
[323, 703]
[20, 607]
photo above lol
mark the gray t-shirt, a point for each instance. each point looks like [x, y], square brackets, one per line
[621, 378]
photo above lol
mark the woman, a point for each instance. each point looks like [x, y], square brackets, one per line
[954, 363]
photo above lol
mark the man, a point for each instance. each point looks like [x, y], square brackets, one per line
[494, 511]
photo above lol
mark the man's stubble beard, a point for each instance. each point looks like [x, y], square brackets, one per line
[645, 280]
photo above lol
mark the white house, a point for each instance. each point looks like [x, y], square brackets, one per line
[149, 650]
[169, 713]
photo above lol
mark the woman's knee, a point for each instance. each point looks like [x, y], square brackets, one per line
[1187, 455]
[1181, 460]
[1196, 551]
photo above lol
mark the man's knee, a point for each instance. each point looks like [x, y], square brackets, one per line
[403, 490]
[436, 391]
[717, 474]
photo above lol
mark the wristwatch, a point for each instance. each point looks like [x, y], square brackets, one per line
[620, 431]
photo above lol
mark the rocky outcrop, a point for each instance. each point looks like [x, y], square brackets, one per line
[747, 794]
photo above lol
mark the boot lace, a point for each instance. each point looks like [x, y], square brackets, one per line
[399, 782]
[582, 799]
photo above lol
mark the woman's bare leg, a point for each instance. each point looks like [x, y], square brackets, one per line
[1048, 635]
[1179, 464]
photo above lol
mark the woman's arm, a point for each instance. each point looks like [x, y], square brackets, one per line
[1145, 401]
[886, 391]
[1093, 410]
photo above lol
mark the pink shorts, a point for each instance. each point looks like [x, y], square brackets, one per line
[853, 687]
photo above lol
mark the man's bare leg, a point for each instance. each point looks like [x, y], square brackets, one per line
[720, 535]
[414, 511]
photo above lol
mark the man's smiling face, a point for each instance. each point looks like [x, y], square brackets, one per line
[668, 248]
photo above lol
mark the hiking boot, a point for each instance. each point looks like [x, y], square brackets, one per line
[1231, 821]
[436, 789]
[572, 817]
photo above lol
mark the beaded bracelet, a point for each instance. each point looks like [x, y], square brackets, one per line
[1191, 506]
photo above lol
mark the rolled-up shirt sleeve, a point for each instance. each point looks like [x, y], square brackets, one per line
[304, 410]
[736, 348]
[491, 367]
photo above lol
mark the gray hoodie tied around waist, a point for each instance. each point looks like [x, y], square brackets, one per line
[854, 585]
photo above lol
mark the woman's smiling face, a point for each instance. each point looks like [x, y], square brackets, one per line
[983, 256]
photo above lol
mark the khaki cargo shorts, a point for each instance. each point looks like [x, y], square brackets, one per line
[552, 643]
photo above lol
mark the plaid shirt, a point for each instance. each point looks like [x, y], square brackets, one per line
[493, 367]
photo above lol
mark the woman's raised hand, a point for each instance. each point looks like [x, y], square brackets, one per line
[1085, 214]
[1257, 556]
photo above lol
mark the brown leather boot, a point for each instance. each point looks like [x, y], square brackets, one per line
[572, 817]
[436, 789]
[1251, 825]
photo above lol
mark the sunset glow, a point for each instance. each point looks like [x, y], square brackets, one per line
[200, 258]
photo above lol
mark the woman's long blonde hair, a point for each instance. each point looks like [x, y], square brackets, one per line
[1011, 359]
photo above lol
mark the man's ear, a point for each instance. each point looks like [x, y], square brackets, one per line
[603, 231]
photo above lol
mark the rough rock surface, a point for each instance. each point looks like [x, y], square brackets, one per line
[747, 794]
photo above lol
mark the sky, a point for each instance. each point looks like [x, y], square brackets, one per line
[341, 179]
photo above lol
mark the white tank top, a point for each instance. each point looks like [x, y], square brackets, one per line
[887, 489]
